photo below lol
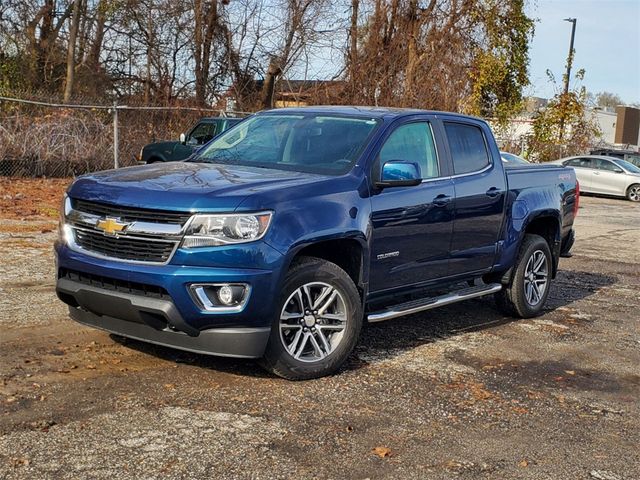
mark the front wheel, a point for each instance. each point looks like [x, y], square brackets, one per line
[526, 295]
[317, 324]
[633, 192]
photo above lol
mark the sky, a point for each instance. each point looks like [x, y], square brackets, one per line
[607, 45]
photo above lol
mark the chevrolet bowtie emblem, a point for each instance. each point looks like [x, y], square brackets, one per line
[111, 226]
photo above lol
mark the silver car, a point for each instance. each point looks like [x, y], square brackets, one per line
[605, 175]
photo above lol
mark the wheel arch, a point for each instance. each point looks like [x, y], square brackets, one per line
[349, 253]
[548, 226]
[628, 189]
[545, 223]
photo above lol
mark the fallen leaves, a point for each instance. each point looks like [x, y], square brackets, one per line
[19, 462]
[382, 452]
[29, 197]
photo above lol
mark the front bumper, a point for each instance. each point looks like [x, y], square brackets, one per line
[152, 302]
[226, 342]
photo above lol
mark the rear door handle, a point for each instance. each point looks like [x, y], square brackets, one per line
[441, 200]
[596, 173]
[493, 192]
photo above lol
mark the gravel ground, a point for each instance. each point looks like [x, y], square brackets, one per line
[460, 392]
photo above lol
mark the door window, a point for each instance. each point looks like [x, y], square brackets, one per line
[412, 142]
[580, 162]
[468, 148]
[605, 165]
[202, 133]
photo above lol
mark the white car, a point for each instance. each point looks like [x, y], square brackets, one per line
[605, 175]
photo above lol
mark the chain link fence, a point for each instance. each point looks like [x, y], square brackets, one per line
[48, 139]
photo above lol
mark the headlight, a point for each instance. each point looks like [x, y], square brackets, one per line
[65, 208]
[225, 229]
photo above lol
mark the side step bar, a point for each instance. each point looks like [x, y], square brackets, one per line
[423, 304]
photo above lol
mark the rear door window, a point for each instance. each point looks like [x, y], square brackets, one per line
[467, 146]
[580, 162]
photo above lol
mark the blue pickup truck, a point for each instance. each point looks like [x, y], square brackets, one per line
[283, 235]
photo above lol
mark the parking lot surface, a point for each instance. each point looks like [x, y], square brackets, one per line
[460, 392]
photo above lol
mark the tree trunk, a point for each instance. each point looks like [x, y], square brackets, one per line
[71, 50]
[412, 53]
[352, 57]
[206, 24]
[197, 41]
[147, 83]
[83, 33]
[266, 100]
[93, 58]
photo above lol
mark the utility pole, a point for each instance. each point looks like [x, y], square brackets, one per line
[116, 160]
[570, 57]
[568, 74]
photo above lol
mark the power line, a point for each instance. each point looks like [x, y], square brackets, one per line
[223, 113]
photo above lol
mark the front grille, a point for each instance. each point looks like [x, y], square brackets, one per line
[113, 284]
[130, 214]
[125, 248]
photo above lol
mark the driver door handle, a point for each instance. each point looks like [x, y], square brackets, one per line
[493, 192]
[441, 200]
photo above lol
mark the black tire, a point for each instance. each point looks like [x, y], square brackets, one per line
[633, 192]
[513, 299]
[313, 271]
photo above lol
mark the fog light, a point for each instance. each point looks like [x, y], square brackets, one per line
[225, 294]
[220, 297]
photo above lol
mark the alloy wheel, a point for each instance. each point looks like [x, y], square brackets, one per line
[313, 321]
[536, 277]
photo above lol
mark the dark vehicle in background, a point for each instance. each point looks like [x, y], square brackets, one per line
[282, 236]
[203, 131]
[628, 155]
[605, 175]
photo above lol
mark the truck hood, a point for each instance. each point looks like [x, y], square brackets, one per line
[184, 186]
[165, 144]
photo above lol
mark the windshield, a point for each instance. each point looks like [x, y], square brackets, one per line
[511, 158]
[628, 166]
[311, 143]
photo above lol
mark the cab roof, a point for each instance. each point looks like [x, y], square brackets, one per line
[373, 112]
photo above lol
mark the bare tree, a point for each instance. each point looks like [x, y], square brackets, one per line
[71, 49]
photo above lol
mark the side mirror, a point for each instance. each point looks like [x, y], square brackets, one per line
[618, 170]
[183, 139]
[398, 173]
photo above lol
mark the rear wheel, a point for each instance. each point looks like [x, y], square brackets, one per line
[633, 192]
[318, 321]
[526, 295]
